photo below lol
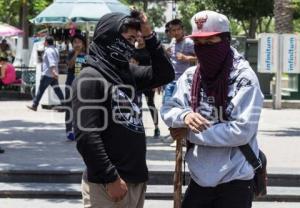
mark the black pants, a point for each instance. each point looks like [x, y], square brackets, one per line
[149, 94]
[235, 194]
[44, 83]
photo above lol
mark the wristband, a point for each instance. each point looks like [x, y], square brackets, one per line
[148, 37]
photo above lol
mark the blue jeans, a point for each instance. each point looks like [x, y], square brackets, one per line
[70, 78]
[168, 91]
[44, 83]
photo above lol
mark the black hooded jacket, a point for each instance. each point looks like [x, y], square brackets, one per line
[109, 132]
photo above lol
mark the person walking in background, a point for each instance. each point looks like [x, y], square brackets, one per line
[142, 57]
[181, 53]
[49, 73]
[216, 106]
[108, 129]
[75, 61]
[7, 72]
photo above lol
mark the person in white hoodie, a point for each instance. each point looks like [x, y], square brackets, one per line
[216, 107]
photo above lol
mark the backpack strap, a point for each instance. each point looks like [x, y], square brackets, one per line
[250, 156]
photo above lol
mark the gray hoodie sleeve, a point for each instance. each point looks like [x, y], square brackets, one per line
[243, 125]
[174, 110]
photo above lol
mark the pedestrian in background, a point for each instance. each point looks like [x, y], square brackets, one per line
[7, 71]
[182, 56]
[142, 57]
[75, 61]
[181, 53]
[216, 106]
[49, 73]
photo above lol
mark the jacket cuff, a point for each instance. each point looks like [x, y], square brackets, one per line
[111, 176]
[152, 43]
[183, 114]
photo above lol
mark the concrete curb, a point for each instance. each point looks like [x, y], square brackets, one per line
[286, 104]
[155, 177]
[73, 191]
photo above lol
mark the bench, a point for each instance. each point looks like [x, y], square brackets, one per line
[25, 82]
[15, 86]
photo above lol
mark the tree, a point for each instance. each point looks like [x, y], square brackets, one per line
[154, 11]
[283, 12]
[246, 17]
[9, 12]
[37, 6]
[187, 9]
[296, 15]
[155, 14]
[249, 13]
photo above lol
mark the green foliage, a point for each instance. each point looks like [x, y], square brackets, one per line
[10, 10]
[236, 28]
[244, 9]
[188, 8]
[267, 25]
[154, 12]
[295, 4]
[249, 13]
[156, 15]
[37, 6]
[246, 16]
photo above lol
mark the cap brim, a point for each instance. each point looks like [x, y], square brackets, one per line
[202, 34]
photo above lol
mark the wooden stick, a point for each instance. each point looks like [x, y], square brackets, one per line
[178, 175]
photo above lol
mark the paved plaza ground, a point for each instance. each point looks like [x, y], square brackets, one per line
[37, 141]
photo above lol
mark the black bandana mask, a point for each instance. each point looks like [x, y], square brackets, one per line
[110, 52]
[120, 50]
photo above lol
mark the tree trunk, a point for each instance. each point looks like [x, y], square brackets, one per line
[244, 27]
[260, 23]
[25, 24]
[252, 27]
[283, 13]
[145, 5]
[20, 16]
[267, 29]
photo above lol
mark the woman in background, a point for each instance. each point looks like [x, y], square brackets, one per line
[8, 72]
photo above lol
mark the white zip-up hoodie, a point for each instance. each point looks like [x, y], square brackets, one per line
[216, 157]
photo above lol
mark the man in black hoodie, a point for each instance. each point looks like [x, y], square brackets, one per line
[109, 132]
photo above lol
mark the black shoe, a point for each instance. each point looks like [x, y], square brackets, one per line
[156, 132]
[1, 150]
[59, 108]
[31, 107]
